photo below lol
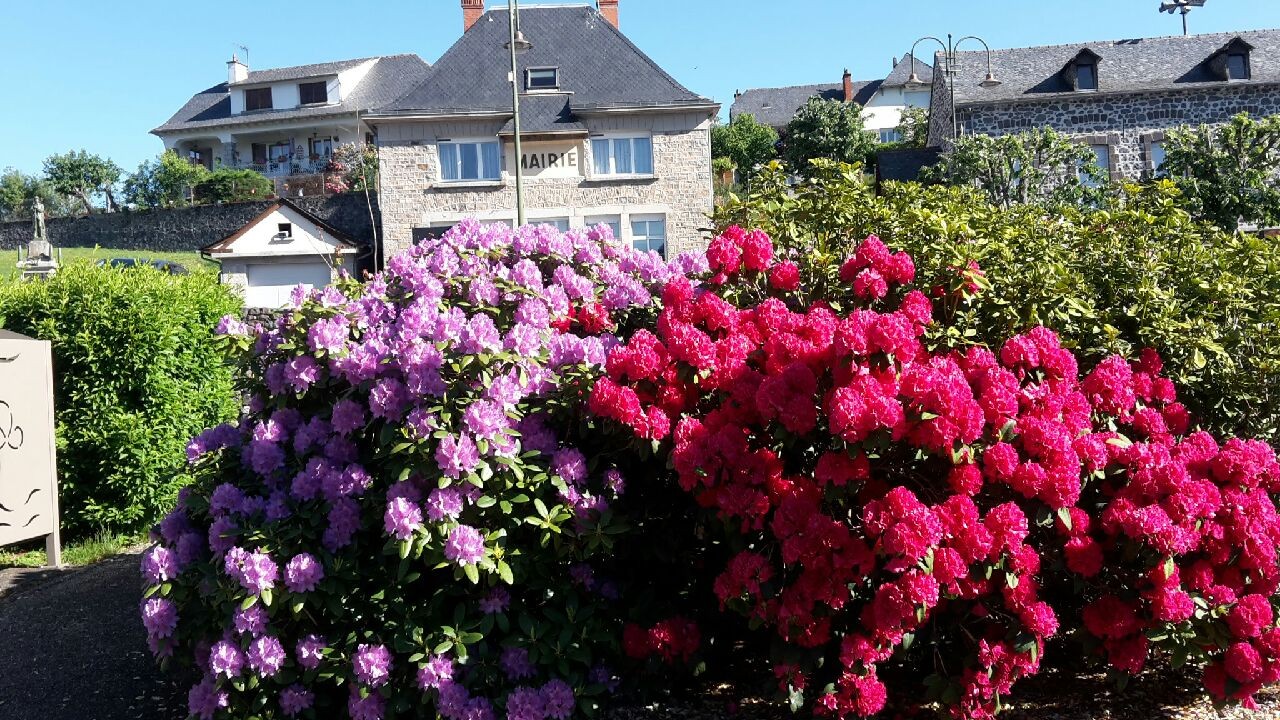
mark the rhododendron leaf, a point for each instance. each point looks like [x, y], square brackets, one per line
[151, 591]
[472, 573]
[297, 607]
[443, 647]
[165, 589]
[266, 597]
[795, 698]
[405, 547]
[504, 572]
[249, 602]
[1011, 579]
[1064, 514]
[485, 502]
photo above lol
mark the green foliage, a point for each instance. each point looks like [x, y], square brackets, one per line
[826, 129]
[137, 372]
[19, 190]
[228, 185]
[353, 168]
[168, 181]
[1139, 272]
[1037, 166]
[82, 175]
[913, 127]
[745, 142]
[1229, 172]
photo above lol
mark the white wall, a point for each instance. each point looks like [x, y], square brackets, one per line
[263, 238]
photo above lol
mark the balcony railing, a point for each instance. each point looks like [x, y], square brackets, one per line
[285, 167]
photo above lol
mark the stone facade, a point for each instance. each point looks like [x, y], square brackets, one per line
[413, 196]
[1128, 124]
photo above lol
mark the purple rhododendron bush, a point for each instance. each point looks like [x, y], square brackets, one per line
[401, 524]
[521, 466]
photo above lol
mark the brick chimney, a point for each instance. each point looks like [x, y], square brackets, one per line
[236, 71]
[609, 9]
[848, 86]
[472, 10]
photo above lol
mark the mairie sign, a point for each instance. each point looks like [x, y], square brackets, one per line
[549, 160]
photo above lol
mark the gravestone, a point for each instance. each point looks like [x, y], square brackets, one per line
[28, 465]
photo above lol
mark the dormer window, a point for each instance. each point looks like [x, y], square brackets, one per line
[542, 79]
[1081, 74]
[1087, 76]
[257, 99]
[313, 93]
[1237, 66]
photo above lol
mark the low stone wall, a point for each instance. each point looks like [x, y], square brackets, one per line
[186, 229]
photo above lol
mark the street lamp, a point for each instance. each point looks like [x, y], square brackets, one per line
[517, 44]
[949, 69]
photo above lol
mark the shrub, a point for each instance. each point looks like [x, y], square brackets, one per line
[895, 509]
[136, 374]
[1036, 166]
[1138, 273]
[228, 185]
[411, 513]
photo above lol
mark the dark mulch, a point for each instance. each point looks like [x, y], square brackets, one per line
[72, 648]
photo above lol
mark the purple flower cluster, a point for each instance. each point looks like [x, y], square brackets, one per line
[465, 545]
[303, 573]
[372, 664]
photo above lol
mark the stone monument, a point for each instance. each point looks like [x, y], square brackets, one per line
[39, 262]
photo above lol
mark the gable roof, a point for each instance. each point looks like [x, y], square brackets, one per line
[776, 106]
[600, 69]
[901, 72]
[224, 245]
[390, 77]
[1124, 66]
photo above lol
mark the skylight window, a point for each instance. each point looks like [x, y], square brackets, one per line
[543, 78]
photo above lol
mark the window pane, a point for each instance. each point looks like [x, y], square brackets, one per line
[449, 161]
[1237, 68]
[622, 156]
[470, 161]
[561, 224]
[257, 99]
[313, 92]
[543, 78]
[1157, 158]
[1086, 77]
[1102, 156]
[600, 149]
[492, 164]
[613, 221]
[643, 156]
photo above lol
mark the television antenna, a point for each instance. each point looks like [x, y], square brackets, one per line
[245, 50]
[1181, 6]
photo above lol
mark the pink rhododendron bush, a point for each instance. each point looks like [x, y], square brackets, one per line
[913, 524]
[403, 524]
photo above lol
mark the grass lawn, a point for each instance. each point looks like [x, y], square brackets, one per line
[190, 260]
[80, 552]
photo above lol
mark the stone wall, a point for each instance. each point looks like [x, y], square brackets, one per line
[412, 195]
[186, 229]
[1128, 124]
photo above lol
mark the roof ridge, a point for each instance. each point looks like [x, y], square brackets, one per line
[1229, 34]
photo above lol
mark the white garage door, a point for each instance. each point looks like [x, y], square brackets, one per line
[269, 285]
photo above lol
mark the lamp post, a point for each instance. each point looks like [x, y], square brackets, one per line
[517, 44]
[949, 69]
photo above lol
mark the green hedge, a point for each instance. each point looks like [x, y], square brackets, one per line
[1134, 273]
[137, 373]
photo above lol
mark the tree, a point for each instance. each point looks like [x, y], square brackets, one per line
[18, 190]
[828, 129]
[353, 168]
[81, 175]
[745, 142]
[168, 181]
[1037, 166]
[226, 185]
[1228, 173]
[913, 127]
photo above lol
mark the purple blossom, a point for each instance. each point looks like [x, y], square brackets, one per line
[526, 704]
[691, 263]
[480, 335]
[450, 325]
[266, 656]
[191, 548]
[308, 651]
[524, 339]
[534, 313]
[205, 699]
[344, 521]
[252, 621]
[583, 575]
[226, 498]
[557, 301]
[311, 435]
[559, 698]
[372, 664]
[570, 464]
[303, 573]
[444, 503]
[421, 422]
[457, 455]
[159, 617]
[267, 457]
[226, 659]
[231, 325]
[453, 700]
[515, 663]
[438, 670]
[566, 350]
[301, 372]
[465, 545]
[478, 709]
[388, 399]
[482, 291]
[222, 534]
[365, 707]
[295, 699]
[496, 601]
[328, 335]
[614, 481]
[159, 564]
[536, 435]
[574, 285]
[348, 416]
[257, 573]
[526, 274]
[505, 390]
[485, 419]
[352, 481]
[402, 518]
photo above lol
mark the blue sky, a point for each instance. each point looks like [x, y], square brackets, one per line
[99, 75]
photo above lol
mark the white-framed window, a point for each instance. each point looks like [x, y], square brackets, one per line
[322, 147]
[623, 155]
[613, 221]
[559, 223]
[649, 232]
[547, 78]
[889, 135]
[1102, 158]
[470, 160]
[280, 152]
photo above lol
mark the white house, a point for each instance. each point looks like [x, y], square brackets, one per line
[883, 101]
[283, 247]
[287, 121]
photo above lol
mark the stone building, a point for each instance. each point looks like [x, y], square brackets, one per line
[1120, 96]
[607, 135]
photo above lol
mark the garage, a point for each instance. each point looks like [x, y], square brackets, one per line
[269, 285]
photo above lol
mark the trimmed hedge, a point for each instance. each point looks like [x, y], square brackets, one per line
[136, 374]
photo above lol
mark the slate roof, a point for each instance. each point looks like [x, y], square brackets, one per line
[545, 114]
[902, 72]
[776, 106]
[300, 72]
[599, 69]
[1125, 66]
[389, 78]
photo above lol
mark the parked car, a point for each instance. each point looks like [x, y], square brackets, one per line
[172, 268]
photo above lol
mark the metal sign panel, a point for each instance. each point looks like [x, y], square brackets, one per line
[28, 474]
